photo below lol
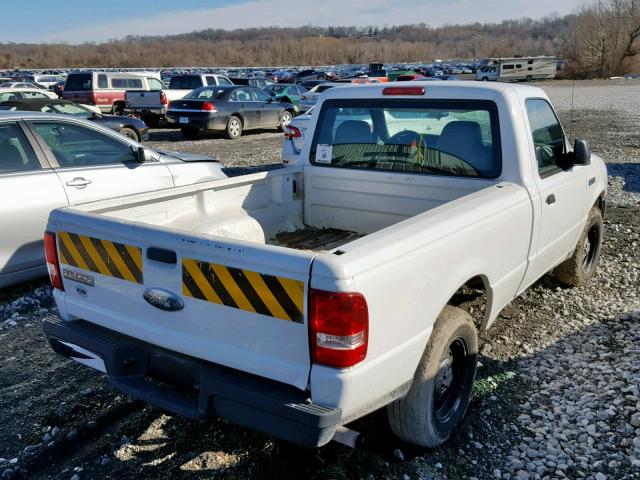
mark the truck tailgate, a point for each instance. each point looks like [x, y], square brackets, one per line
[143, 99]
[234, 303]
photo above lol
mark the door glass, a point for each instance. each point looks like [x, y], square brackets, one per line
[154, 84]
[210, 80]
[224, 81]
[16, 154]
[548, 137]
[260, 96]
[241, 95]
[77, 146]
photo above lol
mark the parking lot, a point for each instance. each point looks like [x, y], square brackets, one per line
[559, 384]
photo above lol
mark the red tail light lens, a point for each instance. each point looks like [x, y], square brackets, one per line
[403, 91]
[208, 107]
[163, 98]
[339, 328]
[51, 256]
[292, 132]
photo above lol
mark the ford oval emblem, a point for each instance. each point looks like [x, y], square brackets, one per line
[163, 299]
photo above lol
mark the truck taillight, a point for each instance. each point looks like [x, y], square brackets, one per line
[292, 132]
[51, 256]
[208, 107]
[339, 328]
[163, 98]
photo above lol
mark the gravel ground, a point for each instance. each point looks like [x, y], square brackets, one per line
[558, 392]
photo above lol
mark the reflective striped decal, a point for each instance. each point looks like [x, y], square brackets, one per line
[101, 256]
[254, 292]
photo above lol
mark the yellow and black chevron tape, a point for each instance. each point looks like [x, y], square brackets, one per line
[101, 256]
[255, 292]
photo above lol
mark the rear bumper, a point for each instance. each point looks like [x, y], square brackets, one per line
[197, 120]
[146, 111]
[194, 388]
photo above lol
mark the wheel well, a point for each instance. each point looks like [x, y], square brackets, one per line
[473, 298]
[600, 203]
[240, 117]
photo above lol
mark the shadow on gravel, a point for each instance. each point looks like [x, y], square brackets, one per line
[175, 135]
[630, 172]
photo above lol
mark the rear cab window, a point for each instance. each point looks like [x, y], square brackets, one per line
[436, 137]
[77, 82]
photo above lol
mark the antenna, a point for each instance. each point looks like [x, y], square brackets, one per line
[573, 80]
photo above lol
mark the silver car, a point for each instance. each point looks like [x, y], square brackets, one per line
[48, 161]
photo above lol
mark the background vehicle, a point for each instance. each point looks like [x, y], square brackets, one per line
[232, 109]
[44, 81]
[287, 93]
[18, 85]
[517, 69]
[106, 89]
[152, 106]
[48, 161]
[309, 99]
[303, 298]
[130, 127]
[58, 88]
[8, 94]
[306, 75]
[258, 82]
[294, 135]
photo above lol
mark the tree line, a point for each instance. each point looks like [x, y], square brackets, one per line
[601, 39]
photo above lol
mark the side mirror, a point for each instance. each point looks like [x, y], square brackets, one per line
[143, 155]
[581, 152]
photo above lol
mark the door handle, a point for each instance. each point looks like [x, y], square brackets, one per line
[551, 199]
[79, 182]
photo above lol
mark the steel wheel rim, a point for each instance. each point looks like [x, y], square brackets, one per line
[286, 119]
[130, 134]
[589, 247]
[449, 381]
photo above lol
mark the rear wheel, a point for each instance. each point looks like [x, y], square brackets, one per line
[439, 395]
[582, 265]
[129, 133]
[234, 128]
[118, 109]
[190, 133]
[285, 119]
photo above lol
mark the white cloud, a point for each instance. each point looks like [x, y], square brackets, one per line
[261, 13]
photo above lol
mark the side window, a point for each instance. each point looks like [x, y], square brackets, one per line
[134, 83]
[78, 146]
[241, 95]
[154, 84]
[16, 154]
[259, 95]
[9, 97]
[33, 95]
[548, 138]
[224, 81]
[102, 81]
[210, 80]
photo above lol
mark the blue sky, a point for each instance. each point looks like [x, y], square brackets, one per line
[75, 21]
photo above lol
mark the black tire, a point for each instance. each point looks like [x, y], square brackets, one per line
[129, 133]
[582, 265]
[190, 133]
[234, 128]
[285, 119]
[152, 121]
[118, 109]
[439, 395]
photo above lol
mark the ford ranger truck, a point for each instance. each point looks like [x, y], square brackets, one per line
[297, 300]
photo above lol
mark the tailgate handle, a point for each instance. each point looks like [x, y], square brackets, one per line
[162, 255]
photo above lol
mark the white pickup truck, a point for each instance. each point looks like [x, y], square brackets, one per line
[151, 106]
[297, 300]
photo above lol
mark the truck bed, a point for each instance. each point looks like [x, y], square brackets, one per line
[315, 239]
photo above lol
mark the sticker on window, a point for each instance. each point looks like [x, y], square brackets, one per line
[324, 153]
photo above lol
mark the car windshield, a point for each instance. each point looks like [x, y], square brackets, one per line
[429, 137]
[206, 93]
[67, 109]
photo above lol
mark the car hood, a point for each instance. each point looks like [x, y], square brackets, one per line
[187, 157]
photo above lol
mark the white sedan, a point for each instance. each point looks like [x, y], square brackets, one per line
[49, 161]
